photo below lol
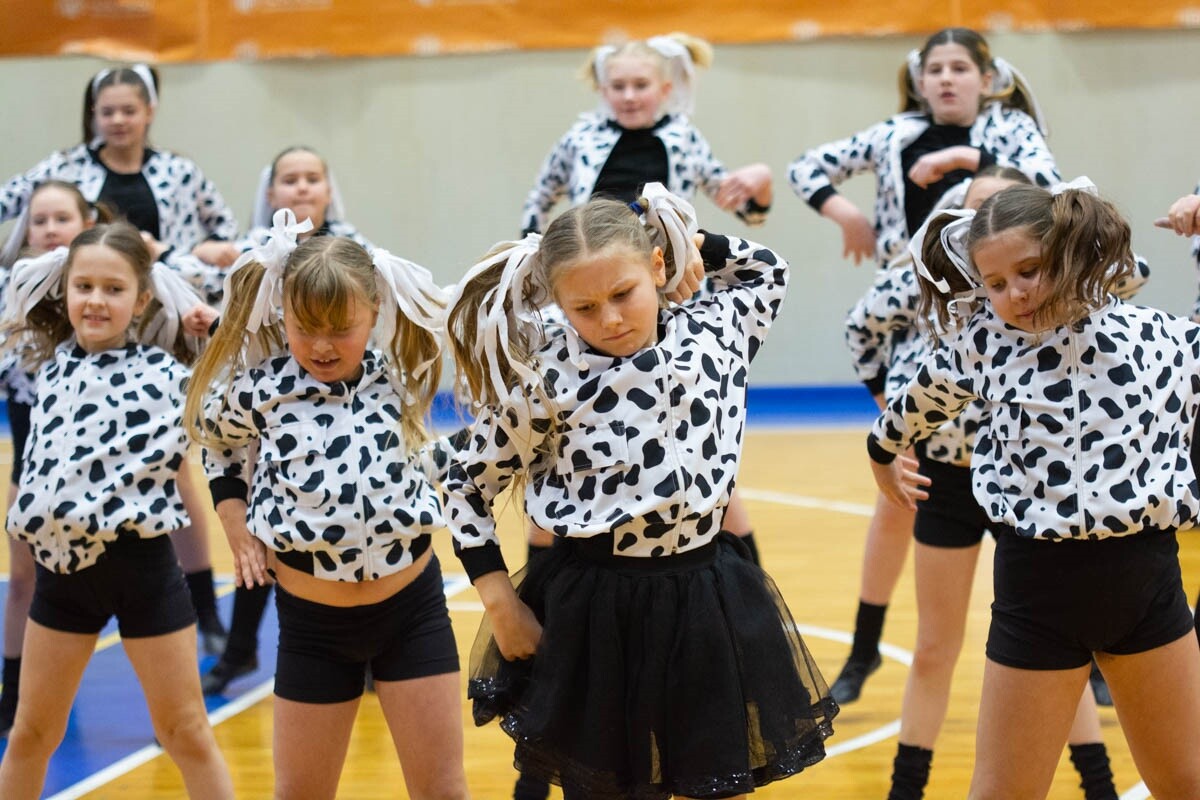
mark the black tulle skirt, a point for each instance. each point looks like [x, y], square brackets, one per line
[655, 677]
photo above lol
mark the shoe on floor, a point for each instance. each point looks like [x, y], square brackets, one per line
[850, 680]
[213, 636]
[223, 672]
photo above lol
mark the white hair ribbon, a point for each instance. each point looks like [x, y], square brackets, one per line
[16, 239]
[1081, 184]
[177, 298]
[141, 70]
[954, 241]
[31, 280]
[599, 59]
[409, 288]
[913, 59]
[261, 216]
[497, 325]
[1008, 76]
[680, 71]
[672, 220]
[272, 252]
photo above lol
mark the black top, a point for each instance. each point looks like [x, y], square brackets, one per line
[919, 202]
[129, 195]
[639, 157]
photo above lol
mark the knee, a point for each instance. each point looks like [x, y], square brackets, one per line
[187, 737]
[33, 738]
[939, 656]
[444, 787]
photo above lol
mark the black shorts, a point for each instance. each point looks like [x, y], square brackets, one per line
[950, 517]
[138, 580]
[1058, 602]
[324, 650]
[18, 423]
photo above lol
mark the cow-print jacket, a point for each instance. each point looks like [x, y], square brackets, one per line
[106, 443]
[647, 446]
[1009, 134]
[1090, 425]
[333, 475]
[574, 165]
[190, 209]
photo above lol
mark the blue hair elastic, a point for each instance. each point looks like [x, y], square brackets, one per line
[637, 208]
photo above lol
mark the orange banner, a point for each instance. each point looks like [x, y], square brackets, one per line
[197, 30]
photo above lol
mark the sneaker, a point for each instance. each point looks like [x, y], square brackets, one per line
[213, 636]
[850, 680]
[1099, 686]
[223, 672]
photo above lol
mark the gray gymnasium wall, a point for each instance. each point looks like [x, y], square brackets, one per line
[435, 155]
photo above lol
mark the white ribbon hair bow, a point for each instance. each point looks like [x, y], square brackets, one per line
[673, 221]
[681, 72]
[954, 241]
[497, 325]
[409, 288]
[177, 298]
[272, 252]
[31, 280]
[1081, 184]
[1008, 76]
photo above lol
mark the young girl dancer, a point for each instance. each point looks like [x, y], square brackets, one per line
[336, 503]
[1085, 471]
[666, 662]
[961, 110]
[96, 512]
[169, 199]
[299, 179]
[950, 525]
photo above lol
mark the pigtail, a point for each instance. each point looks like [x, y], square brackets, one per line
[910, 70]
[671, 223]
[225, 353]
[1086, 251]
[591, 71]
[35, 318]
[949, 285]
[699, 51]
[173, 297]
[1011, 88]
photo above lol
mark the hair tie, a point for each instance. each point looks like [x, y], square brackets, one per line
[637, 208]
[31, 281]
[681, 71]
[139, 69]
[1009, 77]
[272, 252]
[408, 288]
[177, 297]
[953, 239]
[672, 224]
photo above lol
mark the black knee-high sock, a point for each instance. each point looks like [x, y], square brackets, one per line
[868, 630]
[249, 605]
[204, 598]
[910, 772]
[11, 678]
[528, 788]
[1096, 778]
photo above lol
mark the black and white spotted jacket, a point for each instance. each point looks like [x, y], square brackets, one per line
[332, 477]
[574, 164]
[1090, 426]
[884, 334]
[106, 443]
[1009, 134]
[190, 209]
[648, 445]
[209, 280]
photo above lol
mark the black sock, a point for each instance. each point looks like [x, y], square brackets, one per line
[752, 546]
[868, 630]
[204, 598]
[910, 772]
[249, 605]
[1091, 760]
[11, 677]
[528, 788]
[1197, 615]
[534, 549]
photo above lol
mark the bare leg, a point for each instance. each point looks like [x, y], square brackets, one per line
[888, 537]
[166, 667]
[308, 767]
[20, 591]
[425, 718]
[53, 664]
[1157, 697]
[1024, 718]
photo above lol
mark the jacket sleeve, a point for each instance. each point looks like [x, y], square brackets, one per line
[215, 215]
[712, 173]
[815, 174]
[749, 283]
[1020, 144]
[888, 306]
[229, 417]
[15, 193]
[498, 446]
[550, 185]
[939, 392]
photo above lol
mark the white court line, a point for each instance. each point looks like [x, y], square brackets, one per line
[1139, 792]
